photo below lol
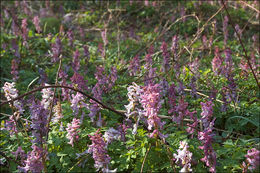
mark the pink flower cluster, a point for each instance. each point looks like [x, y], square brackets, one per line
[24, 31]
[206, 137]
[19, 153]
[11, 93]
[225, 29]
[207, 112]
[184, 156]
[77, 102]
[15, 47]
[175, 44]
[34, 162]
[98, 149]
[79, 81]
[56, 49]
[191, 127]
[70, 37]
[47, 95]
[253, 158]
[39, 116]
[76, 61]
[57, 113]
[134, 66]
[111, 134]
[166, 57]
[181, 111]
[103, 85]
[65, 92]
[217, 62]
[10, 125]
[134, 92]
[36, 22]
[73, 130]
[239, 31]
[150, 100]
[148, 58]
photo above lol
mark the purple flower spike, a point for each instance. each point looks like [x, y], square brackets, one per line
[71, 37]
[166, 57]
[56, 49]
[34, 162]
[76, 61]
[134, 66]
[36, 22]
[11, 93]
[80, 81]
[98, 150]
[217, 62]
[73, 131]
[207, 113]
[253, 158]
[206, 137]
[24, 31]
[225, 30]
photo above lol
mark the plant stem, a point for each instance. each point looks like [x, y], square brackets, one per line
[244, 49]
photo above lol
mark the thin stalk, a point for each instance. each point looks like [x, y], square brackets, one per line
[145, 158]
[67, 87]
[244, 49]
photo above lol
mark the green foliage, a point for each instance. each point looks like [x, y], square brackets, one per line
[131, 29]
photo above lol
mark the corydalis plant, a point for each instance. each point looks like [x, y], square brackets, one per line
[15, 47]
[207, 113]
[175, 46]
[19, 154]
[166, 57]
[57, 113]
[134, 92]
[39, 116]
[24, 31]
[77, 102]
[34, 162]
[65, 92]
[56, 50]
[184, 157]
[70, 37]
[10, 125]
[206, 137]
[134, 66]
[148, 58]
[104, 37]
[217, 62]
[99, 151]
[36, 22]
[239, 31]
[11, 93]
[47, 95]
[76, 61]
[104, 85]
[79, 81]
[225, 29]
[73, 131]
[253, 159]
[228, 72]
[150, 100]
[111, 134]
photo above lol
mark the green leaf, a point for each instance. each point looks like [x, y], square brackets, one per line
[252, 122]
